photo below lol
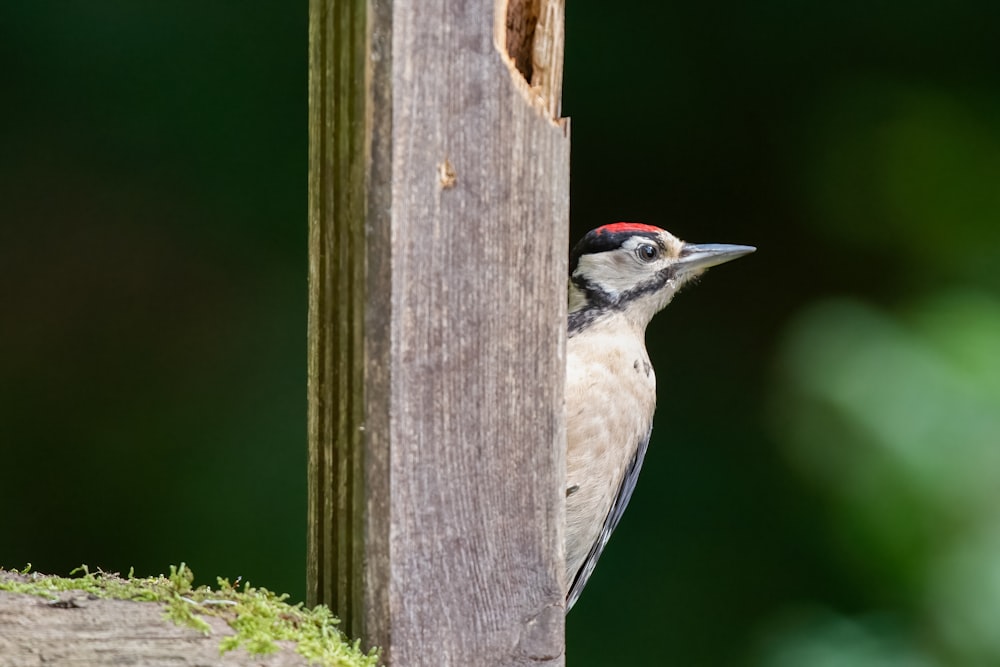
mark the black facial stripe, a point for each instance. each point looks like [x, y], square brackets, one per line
[596, 296]
[583, 318]
[599, 302]
[654, 284]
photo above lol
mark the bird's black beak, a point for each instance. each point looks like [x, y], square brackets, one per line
[700, 256]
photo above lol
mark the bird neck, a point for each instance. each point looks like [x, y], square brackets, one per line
[586, 311]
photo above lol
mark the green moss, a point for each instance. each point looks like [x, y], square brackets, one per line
[259, 617]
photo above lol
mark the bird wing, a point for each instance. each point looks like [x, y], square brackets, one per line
[624, 494]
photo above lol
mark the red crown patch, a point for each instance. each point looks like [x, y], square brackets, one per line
[628, 227]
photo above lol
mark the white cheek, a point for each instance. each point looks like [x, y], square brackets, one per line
[615, 272]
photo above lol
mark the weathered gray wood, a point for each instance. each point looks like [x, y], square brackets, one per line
[82, 630]
[439, 187]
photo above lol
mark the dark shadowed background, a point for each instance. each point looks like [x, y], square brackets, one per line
[824, 478]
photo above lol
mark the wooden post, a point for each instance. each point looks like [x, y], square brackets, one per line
[439, 205]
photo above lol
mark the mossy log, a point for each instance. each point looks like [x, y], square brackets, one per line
[104, 619]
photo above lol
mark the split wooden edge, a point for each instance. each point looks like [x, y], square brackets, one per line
[530, 35]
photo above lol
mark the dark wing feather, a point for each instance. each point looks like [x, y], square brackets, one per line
[610, 522]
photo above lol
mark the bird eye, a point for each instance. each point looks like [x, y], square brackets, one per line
[647, 252]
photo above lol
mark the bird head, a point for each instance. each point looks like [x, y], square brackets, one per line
[635, 269]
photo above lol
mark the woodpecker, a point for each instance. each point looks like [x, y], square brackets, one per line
[620, 276]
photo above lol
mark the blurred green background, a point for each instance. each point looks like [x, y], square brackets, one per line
[824, 483]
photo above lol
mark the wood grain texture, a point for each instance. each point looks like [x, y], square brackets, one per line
[87, 631]
[337, 183]
[438, 303]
